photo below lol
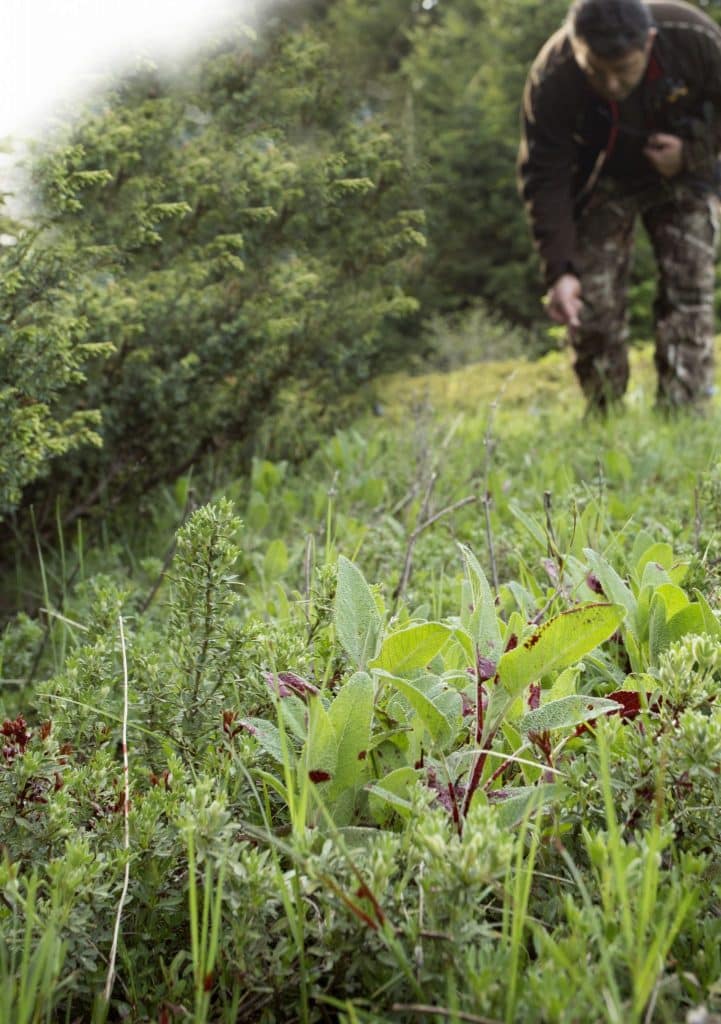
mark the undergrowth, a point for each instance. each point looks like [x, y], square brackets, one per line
[425, 729]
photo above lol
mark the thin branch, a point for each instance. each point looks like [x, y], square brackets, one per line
[489, 541]
[126, 820]
[413, 539]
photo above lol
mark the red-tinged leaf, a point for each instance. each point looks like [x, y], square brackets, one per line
[485, 669]
[630, 701]
[594, 584]
[629, 707]
[288, 684]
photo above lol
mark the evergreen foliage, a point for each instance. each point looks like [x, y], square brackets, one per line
[251, 230]
[45, 351]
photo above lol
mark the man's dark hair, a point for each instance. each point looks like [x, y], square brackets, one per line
[611, 28]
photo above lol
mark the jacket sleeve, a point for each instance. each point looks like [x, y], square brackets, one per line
[545, 173]
[702, 132]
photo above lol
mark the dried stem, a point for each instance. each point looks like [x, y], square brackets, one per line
[489, 541]
[413, 539]
[126, 820]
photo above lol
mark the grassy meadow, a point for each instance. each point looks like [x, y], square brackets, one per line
[422, 729]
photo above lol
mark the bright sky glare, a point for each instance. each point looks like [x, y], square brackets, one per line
[51, 50]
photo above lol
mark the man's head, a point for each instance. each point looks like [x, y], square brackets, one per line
[612, 42]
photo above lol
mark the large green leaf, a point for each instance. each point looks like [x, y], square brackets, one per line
[614, 587]
[674, 598]
[565, 713]
[357, 619]
[660, 553]
[391, 795]
[480, 618]
[525, 800]
[432, 717]
[711, 624]
[412, 648]
[268, 737]
[351, 714]
[558, 643]
[690, 620]
[320, 754]
[654, 576]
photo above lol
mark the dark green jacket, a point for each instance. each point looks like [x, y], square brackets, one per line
[569, 131]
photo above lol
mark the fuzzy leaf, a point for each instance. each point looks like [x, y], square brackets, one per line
[524, 800]
[711, 624]
[357, 619]
[614, 587]
[688, 621]
[351, 714]
[433, 719]
[320, 754]
[481, 620]
[267, 736]
[412, 648]
[565, 713]
[390, 795]
[558, 643]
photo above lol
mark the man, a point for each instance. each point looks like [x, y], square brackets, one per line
[621, 120]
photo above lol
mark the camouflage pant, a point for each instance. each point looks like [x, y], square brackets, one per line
[683, 229]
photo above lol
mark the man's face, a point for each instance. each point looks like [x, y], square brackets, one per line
[613, 78]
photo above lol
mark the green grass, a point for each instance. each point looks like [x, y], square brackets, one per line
[255, 894]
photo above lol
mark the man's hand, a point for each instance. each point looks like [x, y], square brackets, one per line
[563, 302]
[665, 153]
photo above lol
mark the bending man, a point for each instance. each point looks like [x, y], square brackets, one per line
[621, 120]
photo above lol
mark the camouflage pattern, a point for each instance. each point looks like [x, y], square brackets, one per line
[683, 228]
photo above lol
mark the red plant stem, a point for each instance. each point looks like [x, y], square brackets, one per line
[456, 812]
[479, 707]
[498, 772]
[478, 766]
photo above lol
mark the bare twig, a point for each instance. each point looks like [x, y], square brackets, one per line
[413, 539]
[489, 541]
[126, 821]
[547, 508]
[93, 497]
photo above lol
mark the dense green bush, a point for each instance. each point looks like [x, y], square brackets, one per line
[45, 354]
[249, 231]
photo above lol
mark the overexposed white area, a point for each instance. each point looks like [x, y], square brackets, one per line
[53, 51]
